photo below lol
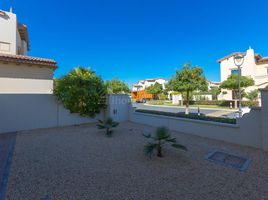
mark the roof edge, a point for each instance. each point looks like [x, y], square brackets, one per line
[20, 59]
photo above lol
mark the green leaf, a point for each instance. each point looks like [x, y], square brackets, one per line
[147, 136]
[179, 146]
[149, 149]
[171, 140]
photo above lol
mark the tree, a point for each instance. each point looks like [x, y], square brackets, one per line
[116, 86]
[155, 89]
[187, 80]
[215, 91]
[81, 91]
[161, 136]
[253, 95]
[232, 84]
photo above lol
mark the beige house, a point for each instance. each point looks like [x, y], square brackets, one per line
[254, 66]
[19, 73]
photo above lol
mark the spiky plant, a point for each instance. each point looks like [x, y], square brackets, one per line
[107, 124]
[161, 137]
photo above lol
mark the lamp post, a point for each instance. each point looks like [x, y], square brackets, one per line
[238, 61]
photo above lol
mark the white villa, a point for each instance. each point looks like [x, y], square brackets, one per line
[142, 84]
[19, 73]
[254, 66]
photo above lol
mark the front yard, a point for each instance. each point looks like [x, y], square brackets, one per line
[80, 162]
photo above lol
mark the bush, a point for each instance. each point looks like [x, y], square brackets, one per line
[162, 97]
[161, 136]
[189, 116]
[223, 103]
[107, 124]
[81, 91]
[156, 102]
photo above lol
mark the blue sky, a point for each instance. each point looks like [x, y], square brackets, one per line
[138, 39]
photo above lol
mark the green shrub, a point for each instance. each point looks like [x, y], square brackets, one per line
[161, 136]
[223, 103]
[189, 116]
[156, 102]
[81, 91]
[107, 124]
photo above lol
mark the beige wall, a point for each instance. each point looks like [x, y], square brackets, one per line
[23, 78]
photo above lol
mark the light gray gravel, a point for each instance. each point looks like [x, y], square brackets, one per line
[80, 162]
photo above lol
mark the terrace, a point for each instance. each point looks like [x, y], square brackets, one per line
[80, 162]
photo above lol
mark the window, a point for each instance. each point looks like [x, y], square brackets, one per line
[234, 71]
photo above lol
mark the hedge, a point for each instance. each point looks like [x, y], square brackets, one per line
[223, 103]
[190, 116]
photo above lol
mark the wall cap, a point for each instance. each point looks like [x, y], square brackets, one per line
[264, 90]
[191, 120]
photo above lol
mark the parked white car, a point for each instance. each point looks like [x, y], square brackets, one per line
[245, 110]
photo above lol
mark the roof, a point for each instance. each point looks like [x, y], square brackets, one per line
[2, 13]
[262, 60]
[24, 34]
[19, 59]
[258, 57]
[230, 55]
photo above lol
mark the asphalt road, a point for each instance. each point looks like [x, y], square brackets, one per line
[175, 109]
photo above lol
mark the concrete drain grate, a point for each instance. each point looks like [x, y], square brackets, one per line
[229, 160]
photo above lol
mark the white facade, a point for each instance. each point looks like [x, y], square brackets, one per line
[21, 74]
[143, 84]
[13, 36]
[254, 66]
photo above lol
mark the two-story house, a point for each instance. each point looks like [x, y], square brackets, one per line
[19, 73]
[254, 66]
[143, 84]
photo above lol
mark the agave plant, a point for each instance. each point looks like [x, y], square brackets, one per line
[107, 124]
[161, 136]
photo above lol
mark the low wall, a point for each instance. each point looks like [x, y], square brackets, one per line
[33, 111]
[246, 132]
[250, 130]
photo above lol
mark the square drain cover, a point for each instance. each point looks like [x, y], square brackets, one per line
[229, 160]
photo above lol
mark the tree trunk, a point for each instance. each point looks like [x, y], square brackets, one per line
[187, 103]
[159, 151]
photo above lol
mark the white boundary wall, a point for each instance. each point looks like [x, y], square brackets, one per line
[251, 130]
[33, 111]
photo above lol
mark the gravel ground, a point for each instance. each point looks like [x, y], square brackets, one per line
[80, 162]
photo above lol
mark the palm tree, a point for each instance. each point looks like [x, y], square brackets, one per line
[161, 136]
[107, 124]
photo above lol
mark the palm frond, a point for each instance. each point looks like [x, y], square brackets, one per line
[173, 140]
[147, 136]
[179, 146]
[162, 133]
[115, 124]
[149, 149]
[100, 126]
